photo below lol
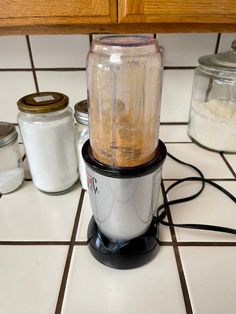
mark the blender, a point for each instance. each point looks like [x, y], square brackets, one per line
[124, 155]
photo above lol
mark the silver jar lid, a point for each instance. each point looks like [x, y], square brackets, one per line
[224, 60]
[8, 133]
[81, 112]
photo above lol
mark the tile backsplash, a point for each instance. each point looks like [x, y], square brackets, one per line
[58, 63]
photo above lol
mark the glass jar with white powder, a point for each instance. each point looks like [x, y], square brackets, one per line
[81, 117]
[11, 170]
[48, 132]
[212, 120]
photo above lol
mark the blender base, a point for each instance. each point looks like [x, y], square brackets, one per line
[126, 255]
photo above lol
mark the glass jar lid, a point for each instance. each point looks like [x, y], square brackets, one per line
[8, 133]
[81, 112]
[43, 102]
[224, 60]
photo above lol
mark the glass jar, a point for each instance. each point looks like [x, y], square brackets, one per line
[11, 169]
[81, 117]
[212, 119]
[48, 132]
[124, 75]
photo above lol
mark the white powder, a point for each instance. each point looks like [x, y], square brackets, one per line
[10, 180]
[51, 151]
[213, 124]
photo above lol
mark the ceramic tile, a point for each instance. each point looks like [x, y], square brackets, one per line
[53, 51]
[28, 214]
[212, 207]
[185, 49]
[73, 84]
[211, 278]
[210, 163]
[14, 52]
[176, 95]
[226, 41]
[13, 86]
[94, 288]
[232, 160]
[87, 213]
[30, 278]
[174, 133]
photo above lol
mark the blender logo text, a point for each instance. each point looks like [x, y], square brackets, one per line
[92, 183]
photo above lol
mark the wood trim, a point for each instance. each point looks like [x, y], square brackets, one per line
[40, 29]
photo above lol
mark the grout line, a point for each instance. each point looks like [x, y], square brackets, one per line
[60, 69]
[183, 283]
[218, 42]
[77, 243]
[34, 242]
[16, 70]
[69, 257]
[207, 243]
[166, 243]
[179, 67]
[228, 165]
[173, 123]
[173, 142]
[90, 39]
[32, 63]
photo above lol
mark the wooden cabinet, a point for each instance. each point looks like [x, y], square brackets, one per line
[43, 15]
[116, 16]
[180, 15]
[177, 11]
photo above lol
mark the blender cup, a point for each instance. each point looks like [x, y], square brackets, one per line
[124, 91]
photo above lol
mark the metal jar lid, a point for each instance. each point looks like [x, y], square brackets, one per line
[224, 60]
[44, 102]
[8, 133]
[81, 112]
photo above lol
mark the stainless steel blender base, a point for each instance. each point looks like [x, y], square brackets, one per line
[123, 255]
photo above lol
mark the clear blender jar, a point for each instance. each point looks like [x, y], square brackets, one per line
[124, 76]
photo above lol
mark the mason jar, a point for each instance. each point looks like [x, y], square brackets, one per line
[81, 117]
[212, 119]
[11, 169]
[48, 132]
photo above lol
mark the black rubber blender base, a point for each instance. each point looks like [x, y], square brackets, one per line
[126, 255]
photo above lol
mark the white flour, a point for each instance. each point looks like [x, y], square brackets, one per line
[51, 151]
[213, 124]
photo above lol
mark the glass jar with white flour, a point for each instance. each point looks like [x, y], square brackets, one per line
[11, 169]
[48, 132]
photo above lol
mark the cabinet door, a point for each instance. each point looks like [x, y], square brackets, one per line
[56, 12]
[177, 11]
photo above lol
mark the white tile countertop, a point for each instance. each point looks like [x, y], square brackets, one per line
[46, 267]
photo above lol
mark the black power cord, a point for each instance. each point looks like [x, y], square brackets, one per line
[161, 210]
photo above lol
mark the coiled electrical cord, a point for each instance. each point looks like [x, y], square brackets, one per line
[161, 211]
